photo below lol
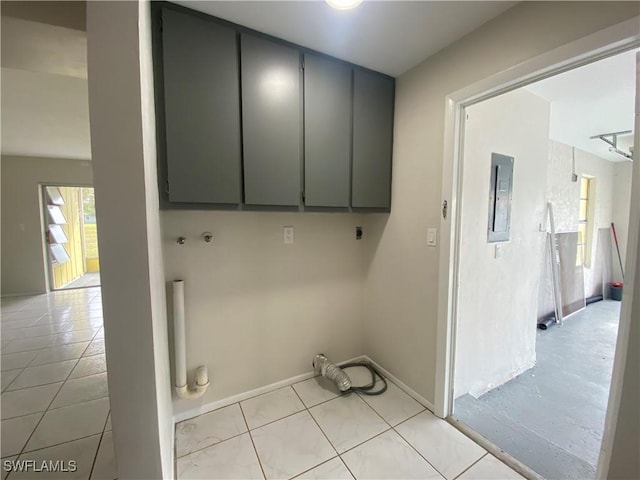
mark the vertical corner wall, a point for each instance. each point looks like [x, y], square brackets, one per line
[498, 290]
[133, 291]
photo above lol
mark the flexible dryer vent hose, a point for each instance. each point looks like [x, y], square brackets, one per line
[322, 366]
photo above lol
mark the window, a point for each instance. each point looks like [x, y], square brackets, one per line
[583, 253]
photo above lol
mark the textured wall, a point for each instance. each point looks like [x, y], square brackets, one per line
[497, 297]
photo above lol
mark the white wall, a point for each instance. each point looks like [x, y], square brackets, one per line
[625, 463]
[133, 291]
[619, 459]
[23, 249]
[258, 310]
[498, 297]
[622, 174]
[402, 281]
[611, 197]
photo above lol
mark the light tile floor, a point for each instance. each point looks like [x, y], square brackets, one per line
[310, 431]
[54, 400]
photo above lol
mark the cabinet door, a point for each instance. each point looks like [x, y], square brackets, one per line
[271, 122]
[373, 97]
[327, 132]
[202, 110]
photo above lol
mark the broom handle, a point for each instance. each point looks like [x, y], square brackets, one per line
[615, 238]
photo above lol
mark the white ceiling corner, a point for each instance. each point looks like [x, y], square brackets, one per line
[45, 101]
[387, 36]
[44, 115]
[592, 100]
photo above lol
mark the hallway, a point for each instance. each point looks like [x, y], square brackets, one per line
[55, 404]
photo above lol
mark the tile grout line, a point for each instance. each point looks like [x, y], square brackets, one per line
[470, 466]
[5, 389]
[51, 403]
[95, 457]
[339, 455]
[45, 412]
[307, 408]
[59, 443]
[39, 384]
[365, 441]
[418, 452]
[209, 446]
[246, 423]
[321, 431]
[319, 465]
[264, 475]
[271, 421]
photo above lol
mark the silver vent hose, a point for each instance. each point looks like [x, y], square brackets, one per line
[322, 366]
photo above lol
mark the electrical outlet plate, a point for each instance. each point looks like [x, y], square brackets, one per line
[287, 235]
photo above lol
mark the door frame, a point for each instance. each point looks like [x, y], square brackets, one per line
[44, 226]
[605, 43]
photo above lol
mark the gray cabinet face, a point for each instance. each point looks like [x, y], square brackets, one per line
[327, 132]
[271, 122]
[202, 110]
[373, 97]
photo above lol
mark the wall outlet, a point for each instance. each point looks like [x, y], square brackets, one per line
[287, 235]
[358, 233]
[432, 237]
[498, 251]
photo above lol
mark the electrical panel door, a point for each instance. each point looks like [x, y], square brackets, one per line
[500, 197]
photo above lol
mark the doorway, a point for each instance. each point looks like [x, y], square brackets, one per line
[534, 237]
[70, 228]
[540, 394]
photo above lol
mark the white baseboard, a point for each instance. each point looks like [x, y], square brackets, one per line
[409, 391]
[23, 294]
[215, 405]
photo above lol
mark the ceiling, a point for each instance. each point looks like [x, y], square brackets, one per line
[44, 115]
[44, 89]
[45, 101]
[592, 100]
[387, 36]
[44, 67]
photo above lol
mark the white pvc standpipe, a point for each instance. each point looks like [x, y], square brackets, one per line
[179, 333]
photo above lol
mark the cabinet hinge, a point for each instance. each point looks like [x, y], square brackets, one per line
[302, 65]
[166, 187]
[302, 196]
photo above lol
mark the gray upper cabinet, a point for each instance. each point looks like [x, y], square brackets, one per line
[202, 109]
[327, 132]
[373, 98]
[272, 122]
[243, 123]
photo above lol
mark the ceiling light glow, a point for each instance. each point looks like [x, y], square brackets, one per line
[344, 4]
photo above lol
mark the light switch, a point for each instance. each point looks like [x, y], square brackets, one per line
[288, 235]
[432, 237]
